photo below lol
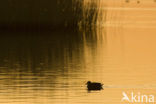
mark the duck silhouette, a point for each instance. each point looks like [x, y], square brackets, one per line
[94, 86]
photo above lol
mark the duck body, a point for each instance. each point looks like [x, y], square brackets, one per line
[94, 86]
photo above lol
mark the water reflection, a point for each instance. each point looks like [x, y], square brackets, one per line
[35, 63]
[113, 46]
[44, 65]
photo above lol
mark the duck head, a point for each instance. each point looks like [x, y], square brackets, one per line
[89, 82]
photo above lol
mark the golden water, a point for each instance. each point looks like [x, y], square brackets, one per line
[52, 68]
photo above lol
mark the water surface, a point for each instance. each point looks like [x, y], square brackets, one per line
[53, 67]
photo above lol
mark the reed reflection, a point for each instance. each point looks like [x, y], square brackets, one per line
[44, 65]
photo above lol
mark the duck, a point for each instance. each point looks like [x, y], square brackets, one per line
[94, 86]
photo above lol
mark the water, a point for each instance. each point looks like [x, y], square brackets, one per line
[53, 67]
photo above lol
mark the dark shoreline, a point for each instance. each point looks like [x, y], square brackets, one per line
[40, 15]
[37, 27]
